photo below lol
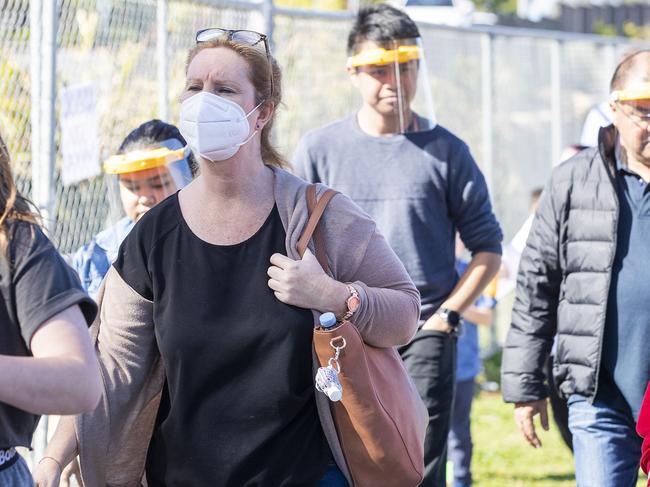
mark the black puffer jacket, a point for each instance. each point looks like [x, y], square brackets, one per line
[564, 278]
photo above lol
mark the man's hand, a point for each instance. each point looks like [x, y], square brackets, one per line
[436, 323]
[524, 414]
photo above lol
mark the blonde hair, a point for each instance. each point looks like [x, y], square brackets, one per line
[13, 205]
[260, 69]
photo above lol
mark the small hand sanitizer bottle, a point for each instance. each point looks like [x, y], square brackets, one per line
[327, 382]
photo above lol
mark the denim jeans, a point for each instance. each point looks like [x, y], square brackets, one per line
[606, 447]
[459, 443]
[333, 478]
[430, 359]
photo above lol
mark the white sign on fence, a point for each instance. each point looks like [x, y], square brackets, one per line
[79, 133]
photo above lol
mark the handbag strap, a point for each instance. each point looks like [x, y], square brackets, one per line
[315, 209]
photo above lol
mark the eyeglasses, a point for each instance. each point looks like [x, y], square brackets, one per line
[641, 118]
[240, 36]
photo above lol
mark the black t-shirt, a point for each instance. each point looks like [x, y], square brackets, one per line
[239, 407]
[35, 285]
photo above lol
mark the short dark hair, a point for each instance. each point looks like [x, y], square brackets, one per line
[627, 66]
[380, 23]
[152, 133]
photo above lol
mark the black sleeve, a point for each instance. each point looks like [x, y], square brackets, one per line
[132, 259]
[43, 284]
[534, 313]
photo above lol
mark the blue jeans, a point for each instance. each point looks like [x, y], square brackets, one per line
[606, 447]
[17, 475]
[333, 478]
[459, 443]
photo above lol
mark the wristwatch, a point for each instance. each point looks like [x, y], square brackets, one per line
[352, 303]
[451, 317]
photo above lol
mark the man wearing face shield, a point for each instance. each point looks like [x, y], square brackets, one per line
[583, 278]
[421, 185]
[151, 164]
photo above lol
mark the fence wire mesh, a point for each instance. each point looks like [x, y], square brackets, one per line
[15, 88]
[113, 45]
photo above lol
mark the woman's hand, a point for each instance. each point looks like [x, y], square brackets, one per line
[47, 473]
[72, 470]
[303, 283]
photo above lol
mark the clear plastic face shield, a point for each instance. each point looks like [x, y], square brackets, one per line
[140, 179]
[394, 79]
[634, 102]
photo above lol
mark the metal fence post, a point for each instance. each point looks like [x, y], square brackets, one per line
[43, 192]
[487, 108]
[268, 12]
[487, 135]
[610, 62]
[163, 60]
[35, 18]
[556, 101]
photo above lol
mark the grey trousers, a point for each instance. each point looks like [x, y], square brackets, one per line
[17, 475]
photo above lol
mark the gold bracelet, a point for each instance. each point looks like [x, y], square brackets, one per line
[54, 460]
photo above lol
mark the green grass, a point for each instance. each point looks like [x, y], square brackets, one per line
[503, 458]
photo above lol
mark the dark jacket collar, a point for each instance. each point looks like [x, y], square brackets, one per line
[607, 137]
[607, 144]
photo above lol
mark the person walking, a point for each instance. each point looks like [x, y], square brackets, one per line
[46, 356]
[421, 184]
[581, 280]
[205, 336]
[460, 445]
[149, 166]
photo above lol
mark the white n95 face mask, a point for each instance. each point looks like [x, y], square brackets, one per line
[214, 127]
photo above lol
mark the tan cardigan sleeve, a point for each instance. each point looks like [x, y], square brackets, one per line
[359, 254]
[113, 440]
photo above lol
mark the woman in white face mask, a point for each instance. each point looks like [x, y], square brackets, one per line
[205, 336]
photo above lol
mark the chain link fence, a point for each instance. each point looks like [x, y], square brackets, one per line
[516, 97]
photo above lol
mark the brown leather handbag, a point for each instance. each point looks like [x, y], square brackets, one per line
[380, 421]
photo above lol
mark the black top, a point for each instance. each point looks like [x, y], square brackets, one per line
[239, 407]
[35, 285]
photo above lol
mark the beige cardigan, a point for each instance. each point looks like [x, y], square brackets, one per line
[113, 440]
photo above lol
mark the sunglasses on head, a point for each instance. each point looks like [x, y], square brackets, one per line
[239, 36]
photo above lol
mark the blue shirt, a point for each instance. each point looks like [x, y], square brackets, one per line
[626, 355]
[420, 188]
[469, 357]
[93, 260]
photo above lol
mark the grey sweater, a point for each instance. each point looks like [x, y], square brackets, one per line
[113, 439]
[420, 189]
